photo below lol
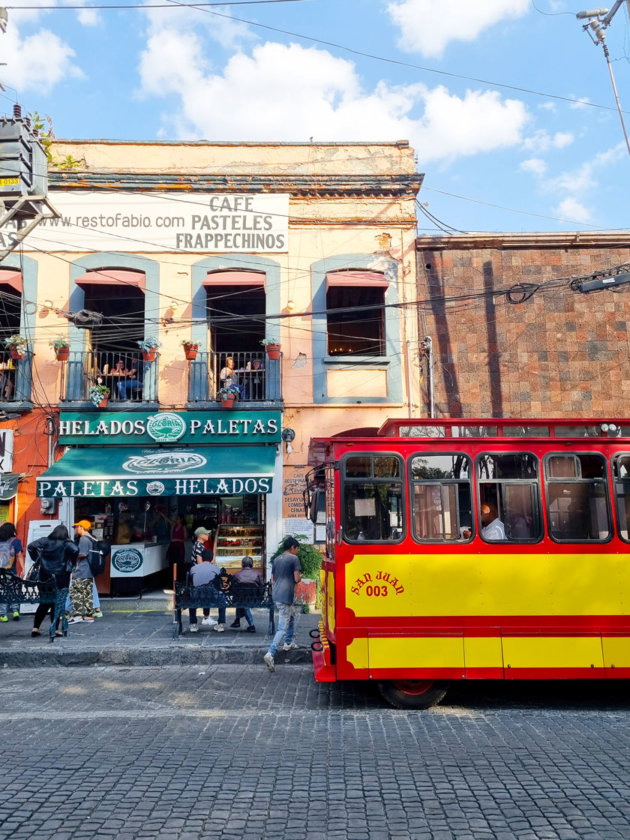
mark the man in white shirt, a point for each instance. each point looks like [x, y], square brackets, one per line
[493, 529]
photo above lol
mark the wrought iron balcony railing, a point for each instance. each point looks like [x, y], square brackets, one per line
[129, 378]
[257, 377]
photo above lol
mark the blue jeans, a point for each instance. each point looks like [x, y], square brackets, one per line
[125, 388]
[286, 627]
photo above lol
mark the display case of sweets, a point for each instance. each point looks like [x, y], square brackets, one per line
[233, 542]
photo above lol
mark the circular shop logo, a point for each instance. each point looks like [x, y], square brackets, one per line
[155, 488]
[166, 427]
[127, 560]
[164, 462]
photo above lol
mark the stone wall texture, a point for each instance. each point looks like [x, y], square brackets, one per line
[559, 353]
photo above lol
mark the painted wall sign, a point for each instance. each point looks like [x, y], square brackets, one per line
[128, 488]
[196, 223]
[169, 427]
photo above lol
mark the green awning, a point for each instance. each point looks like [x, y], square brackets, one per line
[125, 471]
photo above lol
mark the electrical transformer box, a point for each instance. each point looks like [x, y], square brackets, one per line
[23, 163]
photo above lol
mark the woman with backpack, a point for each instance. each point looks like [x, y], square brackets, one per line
[11, 559]
[58, 555]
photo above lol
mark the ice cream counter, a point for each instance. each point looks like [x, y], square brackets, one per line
[133, 562]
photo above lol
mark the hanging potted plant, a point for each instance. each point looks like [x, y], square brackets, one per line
[228, 394]
[190, 348]
[99, 395]
[149, 348]
[17, 345]
[61, 347]
[272, 346]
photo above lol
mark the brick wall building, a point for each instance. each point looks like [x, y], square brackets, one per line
[558, 353]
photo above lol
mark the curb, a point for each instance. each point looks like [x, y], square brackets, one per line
[164, 656]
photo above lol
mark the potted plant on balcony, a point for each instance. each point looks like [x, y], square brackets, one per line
[149, 348]
[61, 346]
[190, 348]
[17, 345]
[99, 394]
[228, 394]
[272, 346]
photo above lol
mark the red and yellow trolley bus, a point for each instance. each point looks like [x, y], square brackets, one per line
[473, 549]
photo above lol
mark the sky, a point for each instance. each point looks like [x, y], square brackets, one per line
[508, 104]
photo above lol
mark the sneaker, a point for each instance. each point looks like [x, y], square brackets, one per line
[16, 615]
[98, 614]
[4, 618]
[88, 618]
[268, 660]
[209, 621]
[250, 629]
[193, 628]
[220, 628]
[236, 625]
[77, 619]
[292, 646]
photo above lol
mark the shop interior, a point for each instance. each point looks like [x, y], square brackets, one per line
[236, 524]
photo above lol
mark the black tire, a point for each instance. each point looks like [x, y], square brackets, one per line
[412, 694]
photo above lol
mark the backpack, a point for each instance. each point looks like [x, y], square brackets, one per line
[97, 555]
[7, 554]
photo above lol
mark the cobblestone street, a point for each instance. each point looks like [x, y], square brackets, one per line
[231, 752]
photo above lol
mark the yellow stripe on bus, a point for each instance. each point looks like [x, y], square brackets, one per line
[488, 584]
[555, 652]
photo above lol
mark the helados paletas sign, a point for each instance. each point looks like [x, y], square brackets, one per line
[133, 471]
[169, 427]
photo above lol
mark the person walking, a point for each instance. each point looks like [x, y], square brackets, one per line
[57, 554]
[11, 558]
[286, 572]
[82, 605]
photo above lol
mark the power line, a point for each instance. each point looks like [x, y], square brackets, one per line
[152, 5]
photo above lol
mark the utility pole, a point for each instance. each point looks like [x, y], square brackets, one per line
[598, 21]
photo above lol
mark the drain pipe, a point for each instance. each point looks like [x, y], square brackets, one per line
[427, 345]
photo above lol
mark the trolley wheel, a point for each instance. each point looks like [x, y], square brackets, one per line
[412, 694]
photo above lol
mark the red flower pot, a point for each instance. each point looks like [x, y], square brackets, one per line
[190, 352]
[273, 351]
[149, 355]
[103, 403]
[227, 402]
[62, 354]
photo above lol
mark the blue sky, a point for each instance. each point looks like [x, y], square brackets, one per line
[460, 79]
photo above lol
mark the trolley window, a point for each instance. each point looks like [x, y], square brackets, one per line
[441, 497]
[621, 473]
[577, 497]
[373, 503]
[508, 492]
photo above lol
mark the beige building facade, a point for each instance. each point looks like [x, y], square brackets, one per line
[227, 247]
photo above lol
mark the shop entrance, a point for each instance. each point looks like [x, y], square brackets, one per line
[142, 532]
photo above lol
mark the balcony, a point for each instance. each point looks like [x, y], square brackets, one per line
[131, 380]
[258, 377]
[15, 380]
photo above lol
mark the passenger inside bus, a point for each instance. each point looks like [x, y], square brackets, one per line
[493, 529]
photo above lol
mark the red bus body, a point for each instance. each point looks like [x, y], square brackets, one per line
[552, 602]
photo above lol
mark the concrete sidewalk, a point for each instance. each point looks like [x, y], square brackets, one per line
[139, 631]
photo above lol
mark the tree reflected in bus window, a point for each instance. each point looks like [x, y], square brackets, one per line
[373, 503]
[441, 498]
[577, 497]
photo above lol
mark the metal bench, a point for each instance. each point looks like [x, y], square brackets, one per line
[17, 590]
[230, 593]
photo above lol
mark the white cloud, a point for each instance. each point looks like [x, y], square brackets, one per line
[427, 26]
[583, 102]
[573, 211]
[89, 17]
[36, 62]
[535, 165]
[542, 141]
[292, 93]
